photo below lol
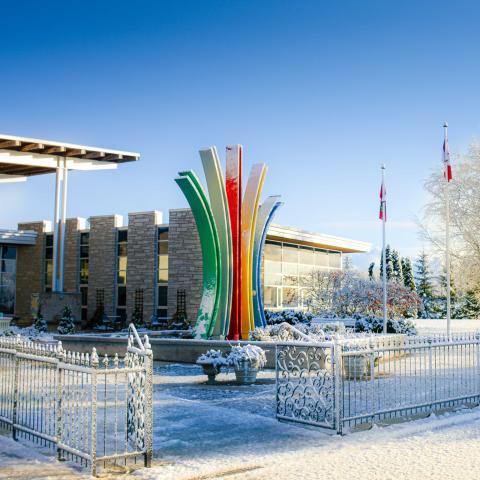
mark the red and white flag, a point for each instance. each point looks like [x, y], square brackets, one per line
[446, 161]
[383, 202]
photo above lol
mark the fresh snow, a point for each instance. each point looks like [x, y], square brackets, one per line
[230, 432]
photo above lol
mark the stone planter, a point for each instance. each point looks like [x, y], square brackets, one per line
[211, 371]
[245, 372]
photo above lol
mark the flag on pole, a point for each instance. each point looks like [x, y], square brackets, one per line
[383, 202]
[446, 161]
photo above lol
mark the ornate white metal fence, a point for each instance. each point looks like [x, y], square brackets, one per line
[348, 382]
[94, 411]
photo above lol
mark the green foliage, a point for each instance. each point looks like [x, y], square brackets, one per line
[40, 324]
[137, 317]
[423, 278]
[408, 278]
[397, 274]
[371, 274]
[66, 326]
[468, 306]
[388, 259]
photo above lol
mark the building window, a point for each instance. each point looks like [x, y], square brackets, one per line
[162, 277]
[48, 261]
[8, 269]
[288, 269]
[122, 248]
[83, 280]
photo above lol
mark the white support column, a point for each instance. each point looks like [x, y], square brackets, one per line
[56, 229]
[63, 220]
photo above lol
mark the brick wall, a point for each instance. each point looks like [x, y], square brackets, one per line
[102, 261]
[30, 270]
[141, 265]
[184, 262]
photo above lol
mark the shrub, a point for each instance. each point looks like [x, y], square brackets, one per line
[240, 353]
[212, 357]
[66, 326]
[40, 323]
[372, 324]
[292, 317]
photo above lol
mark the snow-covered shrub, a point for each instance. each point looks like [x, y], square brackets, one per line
[292, 317]
[40, 323]
[251, 353]
[371, 324]
[66, 326]
[137, 317]
[212, 357]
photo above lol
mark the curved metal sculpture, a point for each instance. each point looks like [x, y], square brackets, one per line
[265, 216]
[207, 312]
[232, 234]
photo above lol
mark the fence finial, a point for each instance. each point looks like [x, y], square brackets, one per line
[94, 358]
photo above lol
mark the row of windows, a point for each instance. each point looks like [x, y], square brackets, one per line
[8, 268]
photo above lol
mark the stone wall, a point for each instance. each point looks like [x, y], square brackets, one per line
[30, 270]
[102, 261]
[141, 265]
[185, 264]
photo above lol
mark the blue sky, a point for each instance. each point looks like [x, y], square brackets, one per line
[322, 91]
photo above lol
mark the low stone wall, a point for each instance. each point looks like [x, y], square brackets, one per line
[173, 350]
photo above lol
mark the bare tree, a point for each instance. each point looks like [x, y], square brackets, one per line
[464, 217]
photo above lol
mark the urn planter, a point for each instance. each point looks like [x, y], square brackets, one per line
[245, 372]
[211, 371]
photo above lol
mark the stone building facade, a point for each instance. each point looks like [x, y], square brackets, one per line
[150, 268]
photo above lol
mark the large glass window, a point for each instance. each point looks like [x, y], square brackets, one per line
[122, 251]
[84, 264]
[8, 268]
[48, 261]
[162, 278]
[288, 268]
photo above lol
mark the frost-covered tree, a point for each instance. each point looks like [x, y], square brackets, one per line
[408, 278]
[371, 274]
[397, 274]
[424, 281]
[388, 259]
[464, 218]
[66, 326]
[39, 322]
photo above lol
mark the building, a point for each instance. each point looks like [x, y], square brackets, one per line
[149, 266]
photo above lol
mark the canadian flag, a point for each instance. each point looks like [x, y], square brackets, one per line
[383, 202]
[446, 161]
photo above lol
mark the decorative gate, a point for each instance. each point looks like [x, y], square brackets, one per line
[305, 383]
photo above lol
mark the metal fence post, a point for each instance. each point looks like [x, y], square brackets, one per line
[59, 356]
[337, 372]
[16, 393]
[93, 441]
[430, 363]
[148, 403]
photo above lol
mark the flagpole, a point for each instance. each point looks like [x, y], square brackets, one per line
[447, 235]
[384, 255]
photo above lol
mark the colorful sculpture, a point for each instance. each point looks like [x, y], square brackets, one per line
[232, 236]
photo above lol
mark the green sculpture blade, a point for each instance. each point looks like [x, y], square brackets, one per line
[219, 206]
[208, 310]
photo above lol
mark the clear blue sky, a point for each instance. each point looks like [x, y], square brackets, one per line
[322, 91]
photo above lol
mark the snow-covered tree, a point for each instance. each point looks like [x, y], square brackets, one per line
[39, 322]
[408, 278]
[424, 281]
[468, 306]
[397, 274]
[371, 274]
[388, 259]
[66, 325]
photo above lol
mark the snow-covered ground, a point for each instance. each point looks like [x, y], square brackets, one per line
[440, 325]
[230, 432]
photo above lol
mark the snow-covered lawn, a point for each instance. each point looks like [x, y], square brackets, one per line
[426, 326]
[230, 431]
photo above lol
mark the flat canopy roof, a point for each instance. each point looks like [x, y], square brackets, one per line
[18, 237]
[319, 240]
[23, 156]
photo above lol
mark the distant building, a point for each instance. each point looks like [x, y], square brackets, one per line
[149, 265]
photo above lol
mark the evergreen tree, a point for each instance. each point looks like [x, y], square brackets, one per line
[423, 278]
[468, 307]
[66, 325]
[397, 274]
[408, 279]
[137, 317]
[371, 275]
[388, 259]
[40, 323]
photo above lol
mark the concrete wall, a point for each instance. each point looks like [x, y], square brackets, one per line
[164, 349]
[141, 264]
[30, 270]
[184, 262]
[102, 261]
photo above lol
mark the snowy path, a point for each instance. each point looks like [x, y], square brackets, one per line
[229, 432]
